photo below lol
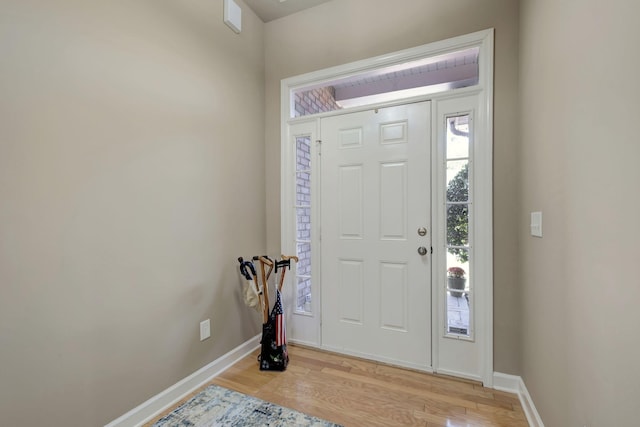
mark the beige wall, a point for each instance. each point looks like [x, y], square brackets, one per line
[580, 151]
[131, 166]
[125, 139]
[343, 31]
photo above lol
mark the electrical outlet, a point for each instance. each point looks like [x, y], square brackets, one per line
[205, 329]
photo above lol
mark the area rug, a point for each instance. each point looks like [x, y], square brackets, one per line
[218, 406]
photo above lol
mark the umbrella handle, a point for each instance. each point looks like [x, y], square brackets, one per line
[285, 261]
[265, 260]
[248, 270]
[284, 264]
[245, 267]
[285, 257]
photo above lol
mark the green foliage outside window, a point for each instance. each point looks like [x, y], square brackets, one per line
[458, 214]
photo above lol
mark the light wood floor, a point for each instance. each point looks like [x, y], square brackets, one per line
[355, 392]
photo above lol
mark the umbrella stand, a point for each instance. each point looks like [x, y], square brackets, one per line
[273, 353]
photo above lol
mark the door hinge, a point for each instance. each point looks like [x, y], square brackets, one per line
[319, 145]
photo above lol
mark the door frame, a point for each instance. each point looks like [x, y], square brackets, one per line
[483, 209]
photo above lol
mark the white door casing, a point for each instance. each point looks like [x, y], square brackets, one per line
[375, 195]
[305, 327]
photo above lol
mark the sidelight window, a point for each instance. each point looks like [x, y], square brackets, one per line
[458, 202]
[303, 223]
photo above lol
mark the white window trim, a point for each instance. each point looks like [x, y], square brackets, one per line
[303, 327]
[440, 218]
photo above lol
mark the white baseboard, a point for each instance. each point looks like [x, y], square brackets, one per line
[515, 384]
[152, 407]
[506, 382]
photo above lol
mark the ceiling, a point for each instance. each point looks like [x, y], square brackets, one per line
[268, 10]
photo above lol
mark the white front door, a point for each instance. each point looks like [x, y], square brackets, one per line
[376, 234]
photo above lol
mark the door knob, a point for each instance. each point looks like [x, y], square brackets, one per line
[422, 250]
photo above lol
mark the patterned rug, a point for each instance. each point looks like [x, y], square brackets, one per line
[218, 406]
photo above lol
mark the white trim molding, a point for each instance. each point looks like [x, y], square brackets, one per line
[515, 384]
[308, 329]
[163, 400]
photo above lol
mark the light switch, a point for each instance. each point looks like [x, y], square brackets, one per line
[536, 224]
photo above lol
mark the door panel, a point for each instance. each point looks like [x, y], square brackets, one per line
[352, 287]
[393, 201]
[375, 194]
[350, 207]
[393, 296]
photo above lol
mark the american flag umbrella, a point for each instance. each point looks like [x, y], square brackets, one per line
[277, 313]
[273, 353]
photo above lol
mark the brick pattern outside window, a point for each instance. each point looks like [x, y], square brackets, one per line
[315, 101]
[303, 220]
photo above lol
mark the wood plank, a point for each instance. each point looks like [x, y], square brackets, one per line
[415, 389]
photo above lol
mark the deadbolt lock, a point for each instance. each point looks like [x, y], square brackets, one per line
[422, 231]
